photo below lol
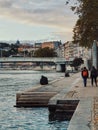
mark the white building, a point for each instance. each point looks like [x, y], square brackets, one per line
[72, 50]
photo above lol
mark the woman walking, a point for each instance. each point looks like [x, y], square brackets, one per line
[93, 76]
[85, 75]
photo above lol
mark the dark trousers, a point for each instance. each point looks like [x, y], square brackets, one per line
[94, 79]
[85, 81]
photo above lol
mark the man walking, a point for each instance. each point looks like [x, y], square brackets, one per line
[85, 75]
[93, 76]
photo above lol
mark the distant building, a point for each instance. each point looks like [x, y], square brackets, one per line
[60, 51]
[72, 50]
[51, 44]
[38, 45]
[23, 47]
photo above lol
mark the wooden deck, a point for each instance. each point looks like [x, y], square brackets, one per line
[33, 99]
[44, 95]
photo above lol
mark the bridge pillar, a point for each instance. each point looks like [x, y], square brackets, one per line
[60, 67]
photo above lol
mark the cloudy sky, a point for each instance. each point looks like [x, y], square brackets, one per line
[36, 20]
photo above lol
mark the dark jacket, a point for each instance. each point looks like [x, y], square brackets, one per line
[94, 72]
[43, 80]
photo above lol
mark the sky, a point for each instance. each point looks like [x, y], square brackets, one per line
[36, 20]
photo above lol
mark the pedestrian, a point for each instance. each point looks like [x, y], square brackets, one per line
[85, 75]
[43, 80]
[67, 74]
[93, 76]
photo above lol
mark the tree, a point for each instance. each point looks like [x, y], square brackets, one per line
[13, 49]
[3, 49]
[77, 62]
[86, 28]
[45, 52]
[3, 45]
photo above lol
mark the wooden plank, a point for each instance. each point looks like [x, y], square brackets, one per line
[32, 96]
[30, 100]
[38, 101]
[31, 105]
[40, 93]
[35, 98]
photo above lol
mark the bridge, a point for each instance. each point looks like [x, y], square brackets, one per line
[60, 62]
[32, 59]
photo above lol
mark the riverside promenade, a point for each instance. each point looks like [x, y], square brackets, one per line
[85, 116]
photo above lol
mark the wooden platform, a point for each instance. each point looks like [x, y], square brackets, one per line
[33, 99]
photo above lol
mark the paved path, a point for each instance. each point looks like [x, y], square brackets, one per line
[86, 115]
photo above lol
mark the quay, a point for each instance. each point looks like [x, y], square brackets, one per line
[66, 99]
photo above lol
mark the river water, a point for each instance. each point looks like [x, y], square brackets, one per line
[12, 118]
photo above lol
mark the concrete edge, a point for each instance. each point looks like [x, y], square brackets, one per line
[82, 117]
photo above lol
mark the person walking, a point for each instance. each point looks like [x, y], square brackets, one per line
[93, 76]
[85, 75]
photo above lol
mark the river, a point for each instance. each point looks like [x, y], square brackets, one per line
[12, 118]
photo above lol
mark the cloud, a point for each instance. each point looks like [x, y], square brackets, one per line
[46, 12]
[50, 14]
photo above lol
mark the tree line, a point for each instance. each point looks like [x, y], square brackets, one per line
[7, 50]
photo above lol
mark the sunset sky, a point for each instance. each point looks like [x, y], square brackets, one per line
[38, 20]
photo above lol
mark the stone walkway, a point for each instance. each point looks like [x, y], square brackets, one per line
[86, 114]
[95, 115]
[89, 95]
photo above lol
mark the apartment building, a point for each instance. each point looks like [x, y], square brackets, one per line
[60, 51]
[24, 47]
[37, 45]
[51, 44]
[72, 50]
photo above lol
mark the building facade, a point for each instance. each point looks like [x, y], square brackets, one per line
[51, 44]
[72, 50]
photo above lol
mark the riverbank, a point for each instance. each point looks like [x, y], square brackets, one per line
[71, 88]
